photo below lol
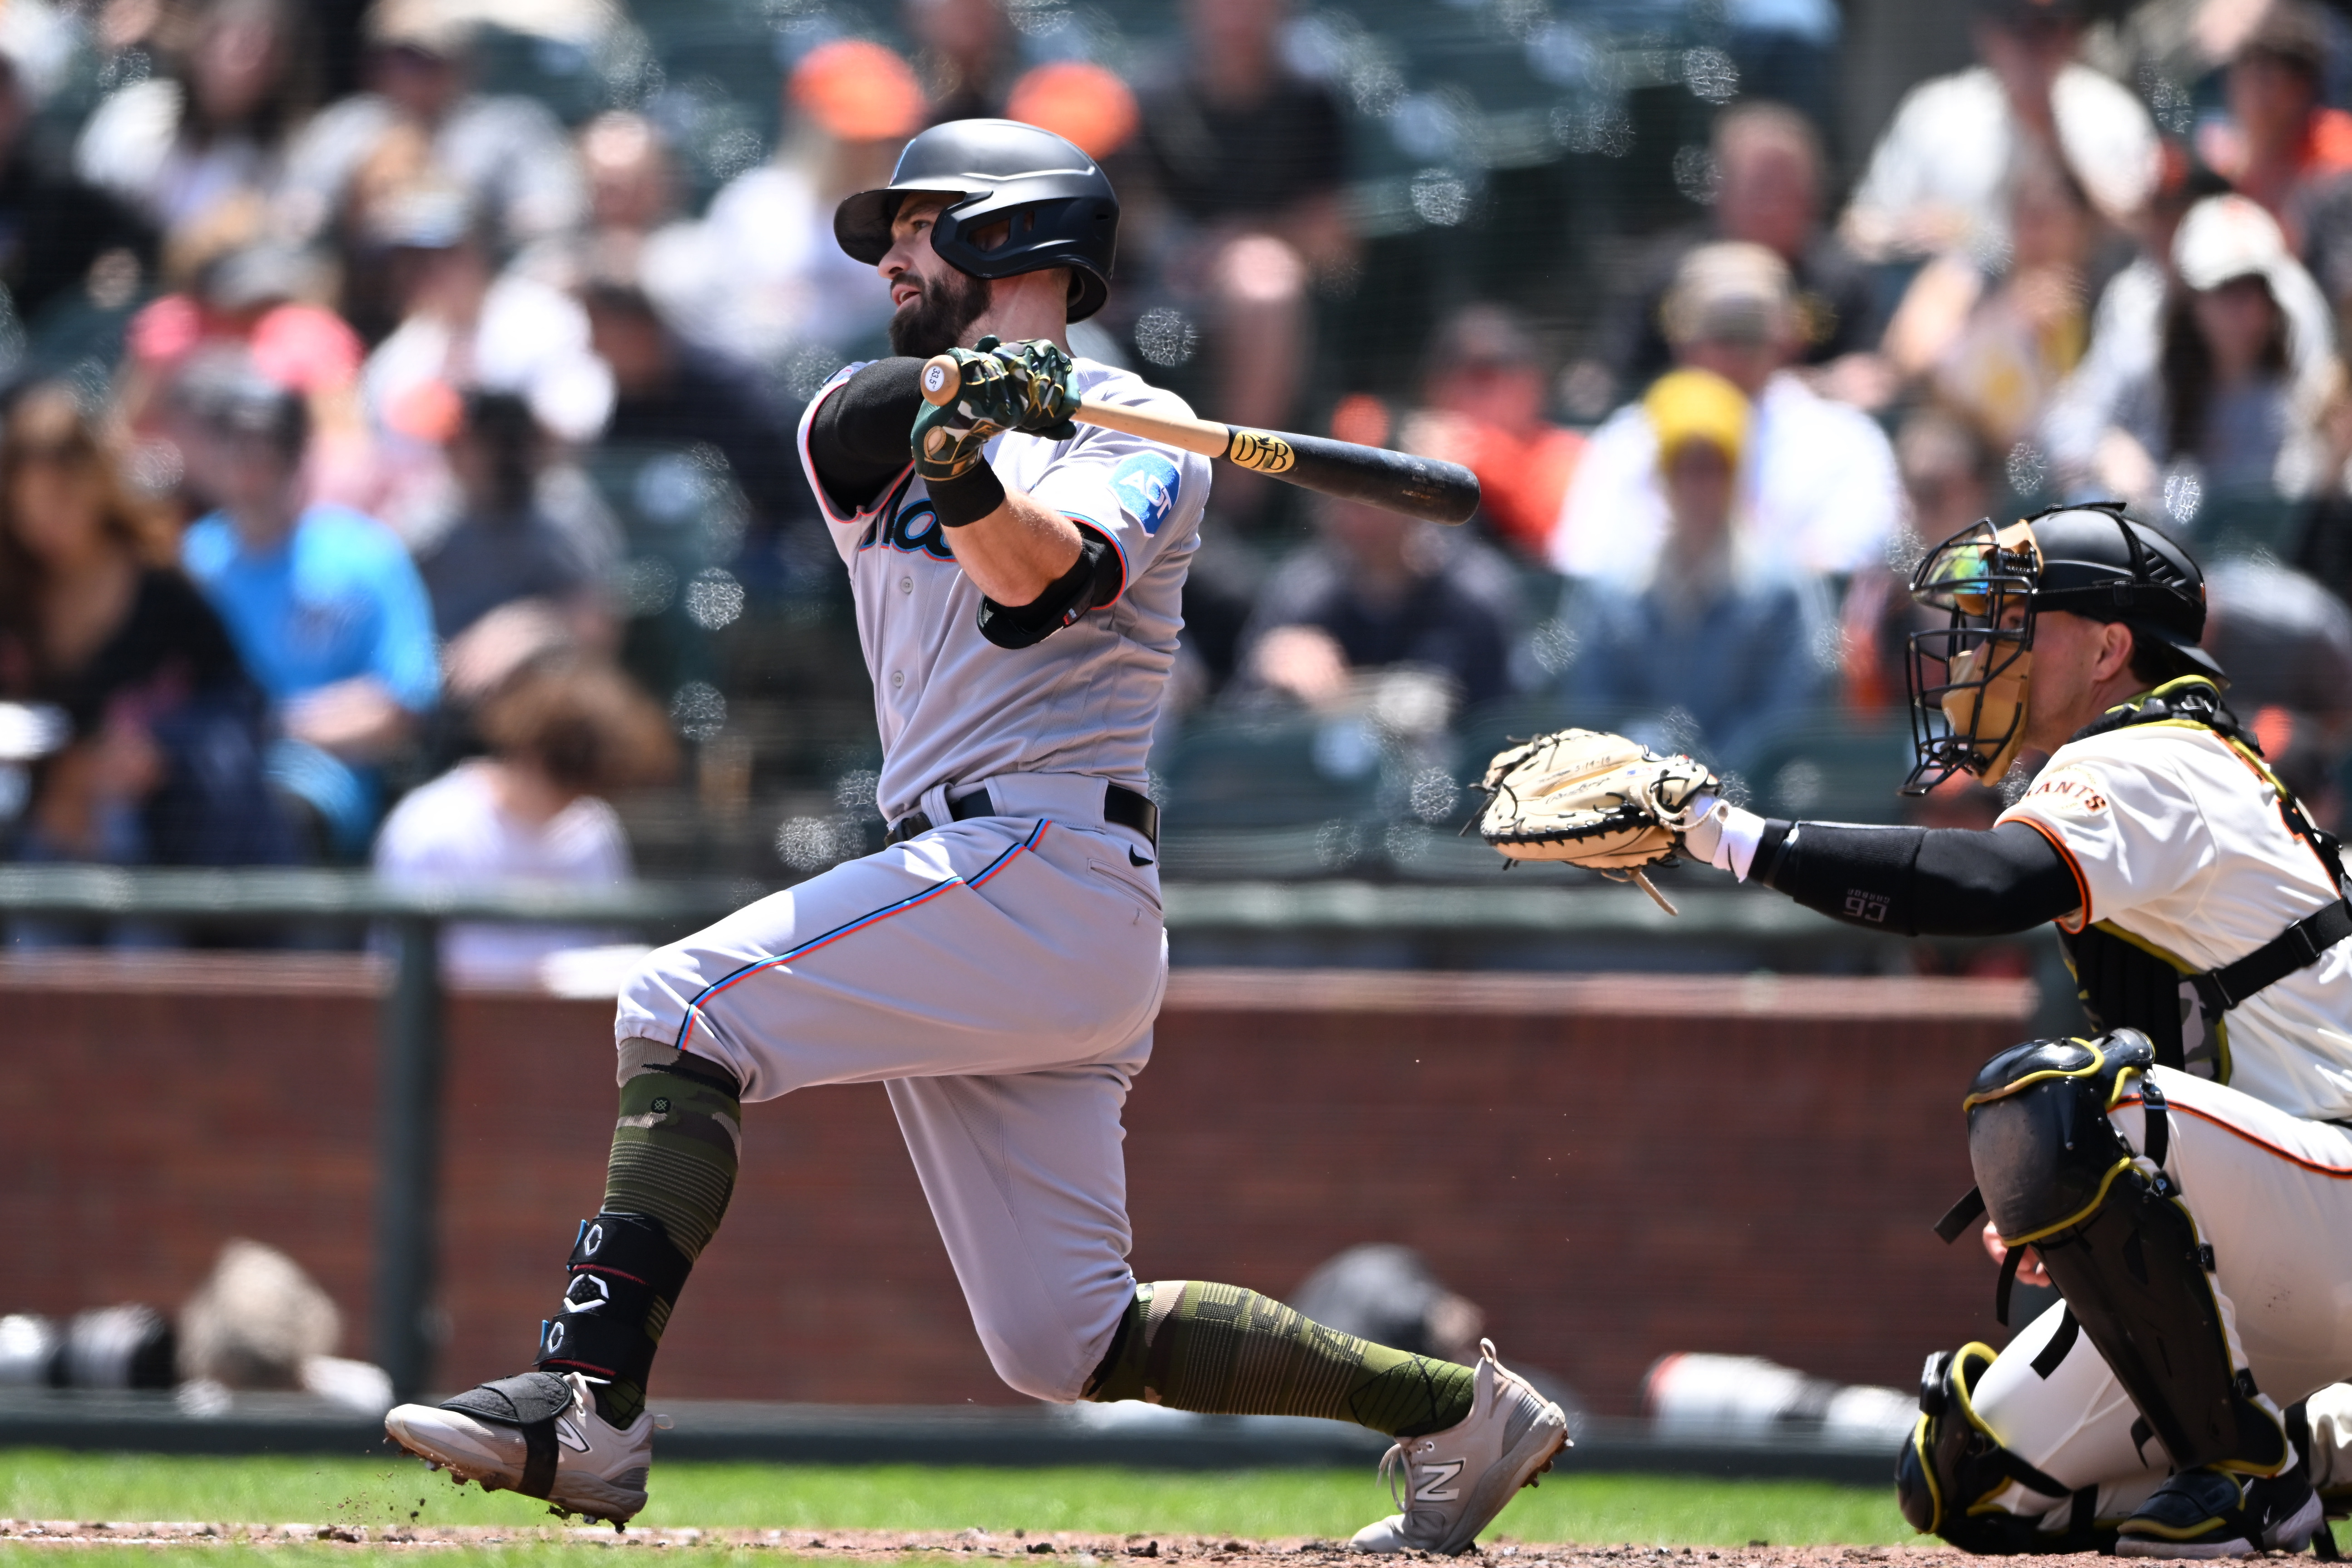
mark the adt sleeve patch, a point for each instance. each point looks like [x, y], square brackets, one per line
[1145, 485]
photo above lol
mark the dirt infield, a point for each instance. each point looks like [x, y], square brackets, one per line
[1079, 1548]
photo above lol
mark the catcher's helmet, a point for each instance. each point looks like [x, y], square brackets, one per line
[1061, 208]
[1969, 677]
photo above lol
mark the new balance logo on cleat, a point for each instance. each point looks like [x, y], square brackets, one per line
[569, 1435]
[1436, 1481]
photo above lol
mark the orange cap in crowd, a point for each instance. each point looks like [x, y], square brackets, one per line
[1079, 103]
[858, 91]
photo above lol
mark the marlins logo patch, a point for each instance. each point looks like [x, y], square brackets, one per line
[1145, 485]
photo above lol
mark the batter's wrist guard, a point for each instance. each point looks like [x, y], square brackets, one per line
[622, 1267]
[968, 497]
[2118, 1241]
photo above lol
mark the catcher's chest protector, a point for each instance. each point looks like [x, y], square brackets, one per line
[2125, 983]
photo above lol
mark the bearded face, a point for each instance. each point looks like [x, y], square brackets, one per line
[941, 316]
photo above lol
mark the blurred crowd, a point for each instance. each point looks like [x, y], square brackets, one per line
[397, 468]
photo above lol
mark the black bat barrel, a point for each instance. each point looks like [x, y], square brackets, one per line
[1418, 486]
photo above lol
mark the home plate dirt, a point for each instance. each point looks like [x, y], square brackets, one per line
[1078, 1549]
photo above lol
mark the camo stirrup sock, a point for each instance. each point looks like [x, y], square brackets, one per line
[1225, 1351]
[674, 1150]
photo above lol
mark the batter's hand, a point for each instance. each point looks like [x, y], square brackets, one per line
[1039, 369]
[2029, 1268]
[947, 437]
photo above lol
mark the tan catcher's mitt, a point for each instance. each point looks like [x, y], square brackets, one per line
[1590, 799]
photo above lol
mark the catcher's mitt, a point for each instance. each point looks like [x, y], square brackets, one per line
[1590, 799]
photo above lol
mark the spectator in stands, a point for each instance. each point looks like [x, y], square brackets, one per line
[631, 187]
[561, 733]
[760, 276]
[2229, 394]
[264, 299]
[1936, 180]
[1482, 406]
[59, 229]
[1948, 483]
[508, 153]
[321, 602]
[2286, 642]
[1725, 643]
[967, 56]
[2282, 145]
[1995, 343]
[1238, 207]
[1378, 591]
[632, 203]
[1817, 483]
[199, 147]
[464, 323]
[504, 544]
[2127, 330]
[163, 762]
[673, 392]
[1769, 160]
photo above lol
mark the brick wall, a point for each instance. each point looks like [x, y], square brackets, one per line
[1613, 1167]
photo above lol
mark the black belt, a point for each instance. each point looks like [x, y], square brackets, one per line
[1123, 807]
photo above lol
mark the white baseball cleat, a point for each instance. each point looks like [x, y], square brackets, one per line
[538, 1434]
[1452, 1484]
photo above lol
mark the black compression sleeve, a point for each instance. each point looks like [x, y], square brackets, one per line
[1920, 881]
[859, 436]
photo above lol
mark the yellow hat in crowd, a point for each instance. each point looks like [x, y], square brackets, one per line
[1687, 406]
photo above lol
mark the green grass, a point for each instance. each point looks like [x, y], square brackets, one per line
[1651, 1510]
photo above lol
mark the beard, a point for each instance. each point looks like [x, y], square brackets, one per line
[938, 319]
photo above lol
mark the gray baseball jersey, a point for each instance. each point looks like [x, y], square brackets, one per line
[954, 708]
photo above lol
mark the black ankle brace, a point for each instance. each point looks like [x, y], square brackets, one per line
[622, 1265]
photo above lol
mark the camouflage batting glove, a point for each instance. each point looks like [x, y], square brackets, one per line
[946, 438]
[1040, 370]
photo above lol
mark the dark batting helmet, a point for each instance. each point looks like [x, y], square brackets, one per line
[1969, 678]
[1060, 210]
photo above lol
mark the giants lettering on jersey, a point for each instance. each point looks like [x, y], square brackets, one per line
[2069, 789]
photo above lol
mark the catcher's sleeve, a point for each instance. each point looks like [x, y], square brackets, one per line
[1920, 881]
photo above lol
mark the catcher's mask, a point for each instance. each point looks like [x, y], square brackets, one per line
[1969, 678]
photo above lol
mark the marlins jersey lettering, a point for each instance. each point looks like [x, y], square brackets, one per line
[954, 708]
[2176, 840]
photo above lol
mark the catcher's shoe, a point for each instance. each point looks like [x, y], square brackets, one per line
[1452, 1484]
[2209, 1512]
[538, 1434]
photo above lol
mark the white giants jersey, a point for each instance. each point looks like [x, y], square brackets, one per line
[2175, 841]
[955, 709]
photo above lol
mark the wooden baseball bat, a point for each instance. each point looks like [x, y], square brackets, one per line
[1418, 486]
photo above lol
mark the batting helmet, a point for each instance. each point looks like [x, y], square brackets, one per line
[1969, 677]
[1060, 209]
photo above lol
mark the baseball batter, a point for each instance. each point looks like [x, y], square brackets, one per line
[2185, 1177]
[998, 965]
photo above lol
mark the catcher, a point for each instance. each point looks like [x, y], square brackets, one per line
[2184, 1177]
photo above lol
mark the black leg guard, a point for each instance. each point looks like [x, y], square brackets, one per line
[1951, 1469]
[622, 1267]
[2119, 1243]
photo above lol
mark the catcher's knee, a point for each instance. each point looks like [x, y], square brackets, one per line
[1951, 1472]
